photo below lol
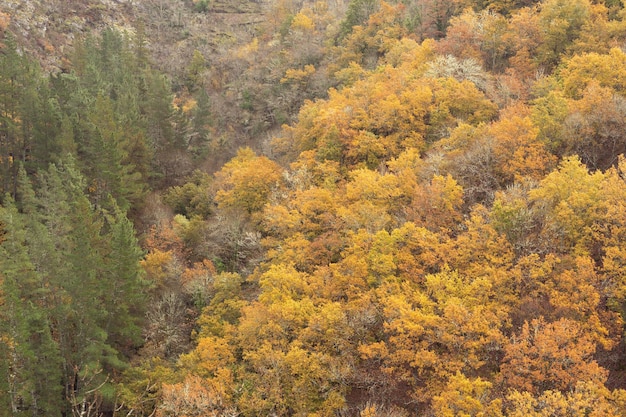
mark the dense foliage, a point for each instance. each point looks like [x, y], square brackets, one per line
[437, 229]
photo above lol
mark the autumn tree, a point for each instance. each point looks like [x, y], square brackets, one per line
[479, 36]
[550, 356]
[525, 37]
[437, 205]
[568, 199]
[245, 183]
[605, 70]
[560, 23]
[587, 398]
[594, 125]
[464, 396]
[518, 152]
[371, 39]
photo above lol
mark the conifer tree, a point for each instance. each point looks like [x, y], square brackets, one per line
[32, 359]
[16, 83]
[125, 298]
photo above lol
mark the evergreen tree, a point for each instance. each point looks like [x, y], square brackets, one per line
[105, 157]
[17, 79]
[125, 298]
[357, 14]
[43, 113]
[72, 292]
[32, 359]
[200, 125]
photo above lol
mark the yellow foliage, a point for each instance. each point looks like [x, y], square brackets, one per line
[385, 113]
[310, 212]
[465, 397]
[155, 264]
[302, 22]
[189, 105]
[298, 75]
[569, 198]
[211, 358]
[282, 283]
[587, 399]
[247, 51]
[607, 70]
[246, 181]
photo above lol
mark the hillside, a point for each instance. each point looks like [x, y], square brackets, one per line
[172, 32]
[313, 208]
[47, 29]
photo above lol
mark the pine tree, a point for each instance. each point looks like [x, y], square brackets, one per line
[16, 82]
[200, 125]
[125, 299]
[32, 356]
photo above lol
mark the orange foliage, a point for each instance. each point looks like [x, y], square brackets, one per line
[201, 271]
[193, 397]
[550, 356]
[518, 152]
[437, 206]
[421, 243]
[5, 19]
[163, 237]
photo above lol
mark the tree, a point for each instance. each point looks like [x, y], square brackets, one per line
[550, 356]
[125, 296]
[18, 81]
[605, 70]
[437, 205]
[245, 182]
[548, 113]
[369, 41]
[525, 36]
[202, 120]
[195, 71]
[139, 388]
[593, 129]
[32, 356]
[435, 16]
[73, 281]
[195, 397]
[568, 199]
[371, 198]
[588, 398]
[436, 330]
[561, 23]
[105, 159]
[357, 14]
[518, 152]
[479, 36]
[466, 397]
[460, 69]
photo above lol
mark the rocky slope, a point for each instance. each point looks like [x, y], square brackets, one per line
[47, 29]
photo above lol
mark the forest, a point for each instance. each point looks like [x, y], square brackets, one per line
[325, 208]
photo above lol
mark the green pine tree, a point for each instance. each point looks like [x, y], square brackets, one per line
[32, 357]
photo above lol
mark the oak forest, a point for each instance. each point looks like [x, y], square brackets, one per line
[325, 208]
